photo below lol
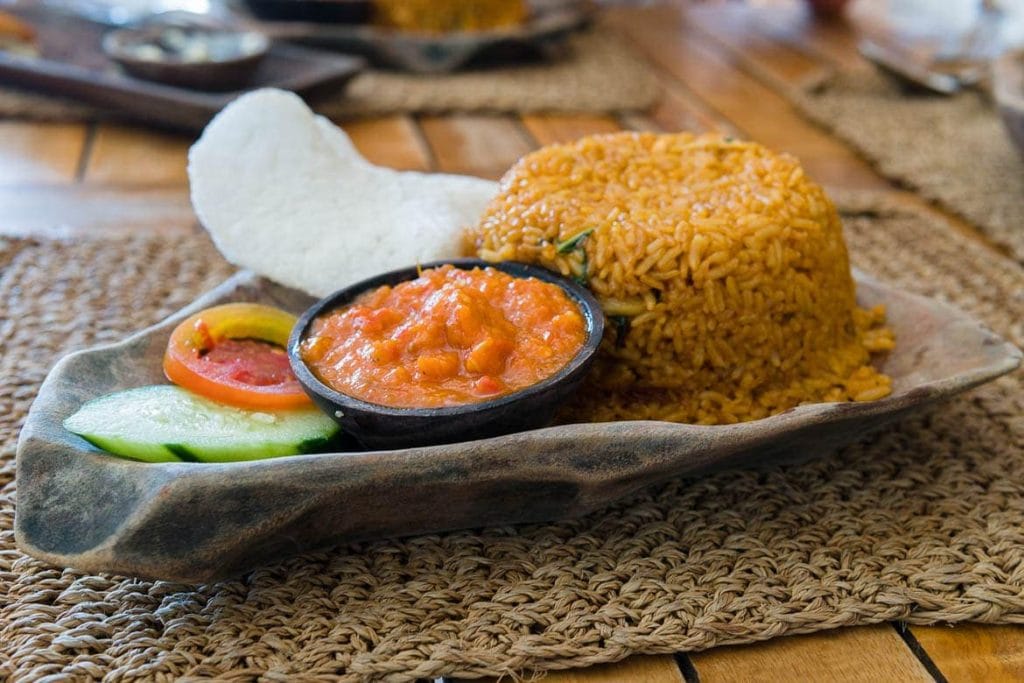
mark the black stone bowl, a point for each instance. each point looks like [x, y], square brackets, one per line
[382, 427]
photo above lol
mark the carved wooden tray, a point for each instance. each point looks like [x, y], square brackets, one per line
[196, 522]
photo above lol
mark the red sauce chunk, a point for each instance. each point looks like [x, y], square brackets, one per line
[449, 337]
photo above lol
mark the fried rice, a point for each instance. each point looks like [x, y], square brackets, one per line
[720, 265]
[441, 16]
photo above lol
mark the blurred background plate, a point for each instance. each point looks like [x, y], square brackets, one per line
[547, 24]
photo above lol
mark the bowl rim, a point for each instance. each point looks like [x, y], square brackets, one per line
[113, 44]
[580, 295]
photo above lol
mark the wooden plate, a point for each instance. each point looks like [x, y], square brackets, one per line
[197, 522]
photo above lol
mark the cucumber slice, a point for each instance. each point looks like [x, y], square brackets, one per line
[167, 424]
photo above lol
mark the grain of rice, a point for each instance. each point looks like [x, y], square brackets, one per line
[729, 262]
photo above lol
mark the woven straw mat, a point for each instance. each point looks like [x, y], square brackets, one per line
[598, 73]
[922, 140]
[922, 522]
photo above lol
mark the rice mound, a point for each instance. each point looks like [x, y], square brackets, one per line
[720, 265]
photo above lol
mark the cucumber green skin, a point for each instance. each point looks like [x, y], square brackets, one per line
[188, 449]
[132, 449]
[173, 452]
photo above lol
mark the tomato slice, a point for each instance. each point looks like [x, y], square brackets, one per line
[235, 354]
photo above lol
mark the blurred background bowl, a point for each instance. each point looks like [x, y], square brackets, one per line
[188, 56]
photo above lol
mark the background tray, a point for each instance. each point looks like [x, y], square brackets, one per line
[72, 64]
[433, 53]
[195, 522]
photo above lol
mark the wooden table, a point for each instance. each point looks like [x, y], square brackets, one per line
[721, 64]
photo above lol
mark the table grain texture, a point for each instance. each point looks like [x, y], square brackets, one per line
[722, 65]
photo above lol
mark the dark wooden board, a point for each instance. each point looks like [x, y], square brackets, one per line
[72, 64]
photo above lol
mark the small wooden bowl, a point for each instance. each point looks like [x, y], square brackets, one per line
[383, 427]
[208, 74]
[1008, 89]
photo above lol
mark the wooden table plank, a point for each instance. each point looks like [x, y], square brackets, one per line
[82, 211]
[761, 113]
[475, 145]
[831, 39]
[32, 153]
[680, 110]
[740, 27]
[549, 129]
[974, 652]
[393, 141]
[132, 157]
[865, 654]
[638, 669]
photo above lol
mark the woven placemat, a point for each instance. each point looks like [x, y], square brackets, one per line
[922, 522]
[954, 150]
[597, 73]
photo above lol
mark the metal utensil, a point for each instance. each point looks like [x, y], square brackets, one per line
[909, 70]
[964, 66]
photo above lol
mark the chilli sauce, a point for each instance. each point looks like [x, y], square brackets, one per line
[449, 337]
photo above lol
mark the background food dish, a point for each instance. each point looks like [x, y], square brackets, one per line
[438, 52]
